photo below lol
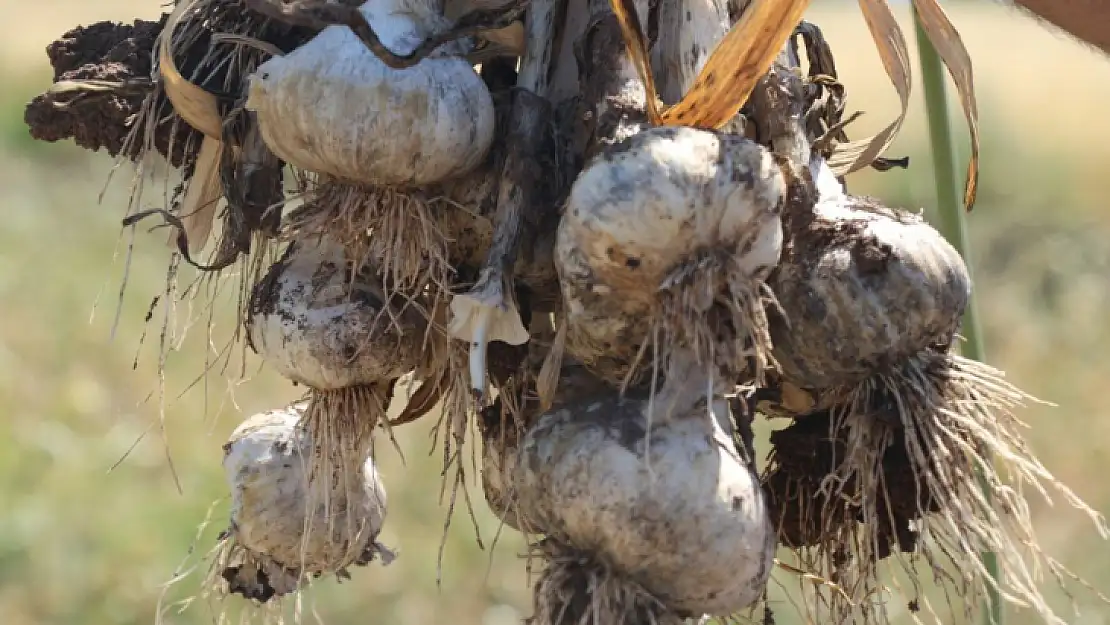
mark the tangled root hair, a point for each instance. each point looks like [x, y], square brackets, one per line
[925, 463]
[395, 229]
[716, 308]
[575, 589]
[340, 424]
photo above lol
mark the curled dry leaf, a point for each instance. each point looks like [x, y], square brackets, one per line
[195, 105]
[732, 71]
[948, 44]
[199, 109]
[205, 190]
[855, 155]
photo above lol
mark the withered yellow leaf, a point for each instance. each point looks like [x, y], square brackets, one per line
[737, 64]
[732, 71]
[891, 43]
[196, 106]
[204, 191]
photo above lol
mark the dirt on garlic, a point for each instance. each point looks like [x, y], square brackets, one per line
[323, 320]
[903, 449]
[666, 240]
[665, 517]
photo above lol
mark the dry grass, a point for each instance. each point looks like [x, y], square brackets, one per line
[81, 545]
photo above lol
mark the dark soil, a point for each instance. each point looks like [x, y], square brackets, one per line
[803, 455]
[123, 52]
[101, 121]
[105, 42]
[266, 293]
[809, 237]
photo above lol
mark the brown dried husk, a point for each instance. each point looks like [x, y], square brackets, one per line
[934, 442]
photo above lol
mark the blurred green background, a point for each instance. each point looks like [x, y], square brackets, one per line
[82, 542]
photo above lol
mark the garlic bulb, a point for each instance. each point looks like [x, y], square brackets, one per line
[320, 323]
[285, 528]
[333, 107]
[668, 506]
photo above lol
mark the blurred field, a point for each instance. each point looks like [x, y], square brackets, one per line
[80, 544]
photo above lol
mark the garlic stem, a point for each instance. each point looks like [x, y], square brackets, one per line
[478, 349]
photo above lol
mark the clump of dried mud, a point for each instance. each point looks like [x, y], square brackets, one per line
[112, 53]
[117, 59]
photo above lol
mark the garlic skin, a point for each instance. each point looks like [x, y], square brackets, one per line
[643, 206]
[272, 515]
[683, 517]
[646, 208]
[864, 287]
[332, 107]
[316, 326]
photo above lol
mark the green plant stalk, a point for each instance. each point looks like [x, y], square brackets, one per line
[954, 228]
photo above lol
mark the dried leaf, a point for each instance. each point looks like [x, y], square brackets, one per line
[948, 44]
[888, 37]
[548, 380]
[732, 71]
[737, 64]
[195, 105]
[687, 33]
[425, 398]
[510, 38]
[198, 209]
